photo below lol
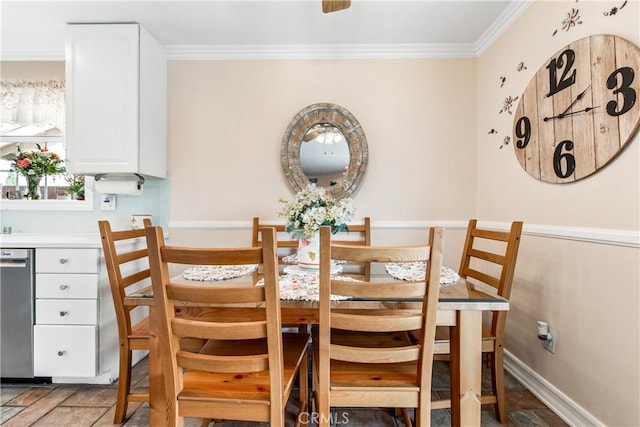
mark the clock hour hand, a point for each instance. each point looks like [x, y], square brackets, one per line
[562, 115]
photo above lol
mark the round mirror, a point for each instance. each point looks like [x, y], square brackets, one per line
[324, 144]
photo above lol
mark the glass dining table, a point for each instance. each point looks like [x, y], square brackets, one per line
[460, 307]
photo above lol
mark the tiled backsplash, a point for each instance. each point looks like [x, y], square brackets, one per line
[154, 201]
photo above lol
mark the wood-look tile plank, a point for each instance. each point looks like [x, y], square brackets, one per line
[550, 417]
[370, 417]
[523, 399]
[93, 396]
[132, 408]
[70, 416]
[30, 396]
[7, 412]
[41, 407]
[7, 393]
[139, 418]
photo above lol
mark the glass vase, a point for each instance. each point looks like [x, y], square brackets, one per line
[309, 252]
[33, 187]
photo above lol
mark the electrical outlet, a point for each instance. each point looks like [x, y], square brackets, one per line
[550, 343]
[108, 202]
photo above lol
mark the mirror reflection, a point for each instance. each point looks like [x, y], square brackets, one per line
[324, 144]
[324, 155]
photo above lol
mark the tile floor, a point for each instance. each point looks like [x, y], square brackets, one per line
[71, 405]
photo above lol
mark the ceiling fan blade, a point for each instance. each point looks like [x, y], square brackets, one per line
[335, 5]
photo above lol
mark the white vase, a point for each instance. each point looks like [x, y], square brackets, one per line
[309, 252]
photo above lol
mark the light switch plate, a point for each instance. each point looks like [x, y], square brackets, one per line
[108, 202]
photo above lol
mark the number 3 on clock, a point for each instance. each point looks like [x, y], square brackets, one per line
[579, 110]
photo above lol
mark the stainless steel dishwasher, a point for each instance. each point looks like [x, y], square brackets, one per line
[16, 312]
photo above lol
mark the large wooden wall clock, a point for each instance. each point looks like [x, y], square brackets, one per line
[579, 110]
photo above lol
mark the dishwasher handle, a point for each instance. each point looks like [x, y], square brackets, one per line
[13, 263]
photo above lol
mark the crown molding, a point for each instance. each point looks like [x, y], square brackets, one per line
[320, 51]
[501, 24]
[279, 52]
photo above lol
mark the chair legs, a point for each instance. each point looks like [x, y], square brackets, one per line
[124, 385]
[497, 382]
[303, 382]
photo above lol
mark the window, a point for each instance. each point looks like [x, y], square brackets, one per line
[33, 116]
[14, 183]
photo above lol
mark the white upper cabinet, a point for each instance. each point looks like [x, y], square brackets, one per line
[116, 100]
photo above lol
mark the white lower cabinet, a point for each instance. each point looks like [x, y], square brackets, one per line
[69, 312]
[65, 351]
[75, 331]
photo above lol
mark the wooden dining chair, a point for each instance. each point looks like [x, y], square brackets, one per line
[246, 370]
[285, 246]
[126, 260]
[365, 358]
[488, 262]
[358, 235]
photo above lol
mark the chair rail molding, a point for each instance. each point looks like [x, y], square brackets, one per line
[606, 236]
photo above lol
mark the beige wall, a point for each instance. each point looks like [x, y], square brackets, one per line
[588, 292]
[27, 70]
[227, 118]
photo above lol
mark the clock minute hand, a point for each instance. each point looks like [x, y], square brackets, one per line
[585, 110]
[562, 115]
[578, 98]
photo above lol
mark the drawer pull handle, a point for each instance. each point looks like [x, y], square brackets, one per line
[63, 313]
[63, 260]
[61, 353]
[64, 287]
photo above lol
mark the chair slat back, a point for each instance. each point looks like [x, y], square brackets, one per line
[494, 264]
[369, 321]
[263, 323]
[490, 256]
[126, 260]
[357, 234]
[286, 244]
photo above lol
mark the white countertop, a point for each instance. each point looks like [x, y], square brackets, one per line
[50, 240]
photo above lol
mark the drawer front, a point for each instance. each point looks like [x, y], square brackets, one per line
[64, 351]
[66, 312]
[67, 286]
[66, 260]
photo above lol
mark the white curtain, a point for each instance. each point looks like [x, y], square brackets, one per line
[33, 102]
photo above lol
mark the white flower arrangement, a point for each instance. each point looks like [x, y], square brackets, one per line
[312, 208]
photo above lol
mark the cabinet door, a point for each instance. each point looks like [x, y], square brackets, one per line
[64, 351]
[102, 69]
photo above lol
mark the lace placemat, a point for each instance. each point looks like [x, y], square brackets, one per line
[293, 260]
[296, 270]
[213, 273]
[305, 288]
[414, 271]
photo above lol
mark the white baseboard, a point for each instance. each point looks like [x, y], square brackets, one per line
[572, 413]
